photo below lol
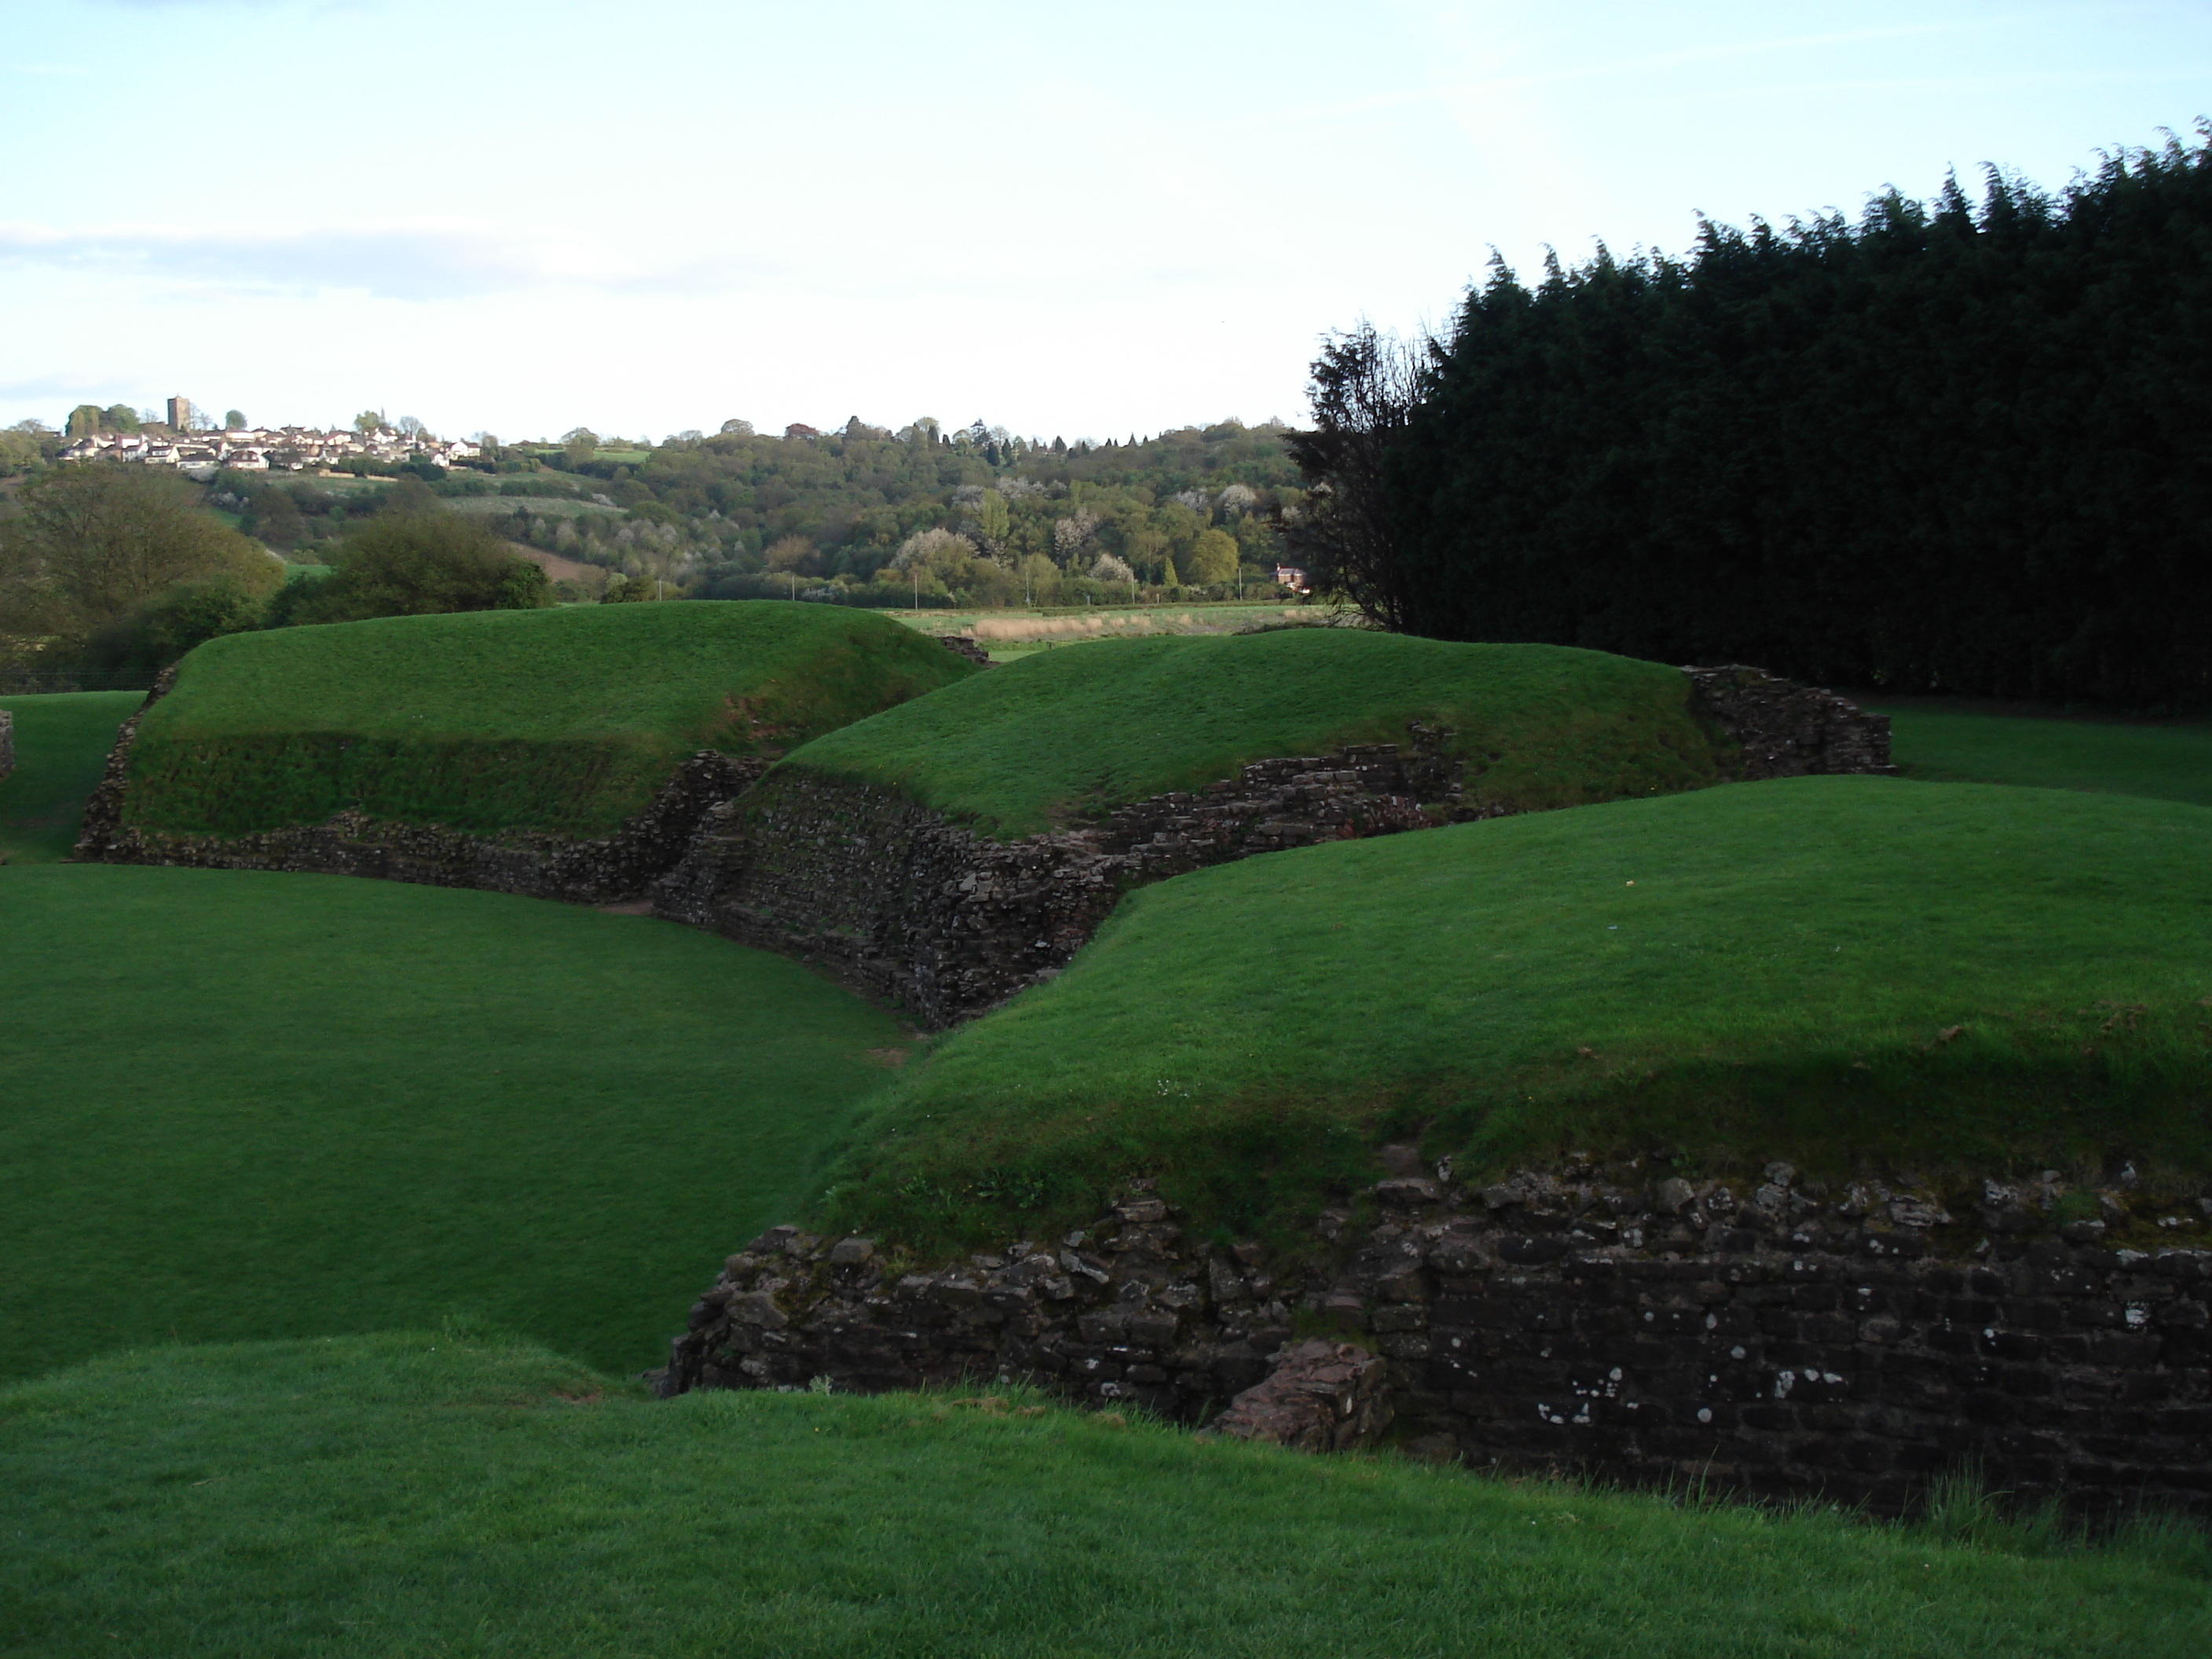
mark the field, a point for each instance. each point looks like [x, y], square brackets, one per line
[241, 1105]
[563, 720]
[2168, 760]
[544, 507]
[1062, 736]
[451, 1494]
[1826, 970]
[62, 742]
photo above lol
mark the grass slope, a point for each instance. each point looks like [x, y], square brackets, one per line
[1056, 736]
[564, 720]
[241, 1105]
[2165, 762]
[1764, 970]
[62, 741]
[442, 1494]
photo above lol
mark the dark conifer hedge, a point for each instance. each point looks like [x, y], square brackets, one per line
[1948, 447]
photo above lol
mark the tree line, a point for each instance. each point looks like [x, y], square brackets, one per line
[1956, 446]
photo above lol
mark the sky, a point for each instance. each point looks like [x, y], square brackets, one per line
[1071, 220]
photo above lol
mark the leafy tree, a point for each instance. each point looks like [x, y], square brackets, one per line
[411, 427]
[233, 420]
[90, 544]
[412, 564]
[1213, 558]
[369, 421]
[162, 629]
[85, 420]
[277, 519]
[991, 516]
[119, 417]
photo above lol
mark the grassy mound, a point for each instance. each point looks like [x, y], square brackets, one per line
[422, 1494]
[1822, 968]
[1051, 739]
[565, 720]
[243, 1104]
[62, 743]
[2165, 762]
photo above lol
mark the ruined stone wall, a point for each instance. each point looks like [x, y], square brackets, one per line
[1781, 729]
[606, 870]
[1770, 1339]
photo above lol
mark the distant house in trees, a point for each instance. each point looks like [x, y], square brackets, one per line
[1290, 576]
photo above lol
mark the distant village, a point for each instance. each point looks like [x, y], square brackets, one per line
[259, 449]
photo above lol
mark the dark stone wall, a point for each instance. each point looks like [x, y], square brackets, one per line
[1768, 1338]
[1777, 728]
[607, 870]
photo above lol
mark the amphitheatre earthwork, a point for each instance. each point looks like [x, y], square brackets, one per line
[1533, 1058]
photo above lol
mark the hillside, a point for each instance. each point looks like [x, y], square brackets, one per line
[1826, 970]
[565, 720]
[452, 1493]
[1062, 736]
[245, 1104]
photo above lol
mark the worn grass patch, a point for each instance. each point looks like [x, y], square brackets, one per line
[246, 1104]
[449, 1494]
[1064, 735]
[62, 743]
[2165, 762]
[1829, 969]
[564, 720]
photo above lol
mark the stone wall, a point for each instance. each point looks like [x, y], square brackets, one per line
[899, 902]
[7, 743]
[1768, 1338]
[1780, 729]
[610, 869]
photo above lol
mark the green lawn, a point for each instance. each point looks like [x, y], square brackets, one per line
[62, 743]
[564, 720]
[243, 1104]
[1063, 733]
[1820, 968]
[442, 1494]
[2167, 762]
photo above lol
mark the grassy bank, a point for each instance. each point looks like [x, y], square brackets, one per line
[1060, 735]
[1829, 969]
[2165, 762]
[244, 1104]
[62, 742]
[564, 720]
[442, 1494]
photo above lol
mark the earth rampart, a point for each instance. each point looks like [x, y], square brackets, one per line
[605, 870]
[899, 901]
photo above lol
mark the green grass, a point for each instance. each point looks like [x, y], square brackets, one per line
[1759, 970]
[62, 743]
[1065, 733]
[2167, 762]
[444, 1494]
[243, 1104]
[563, 720]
